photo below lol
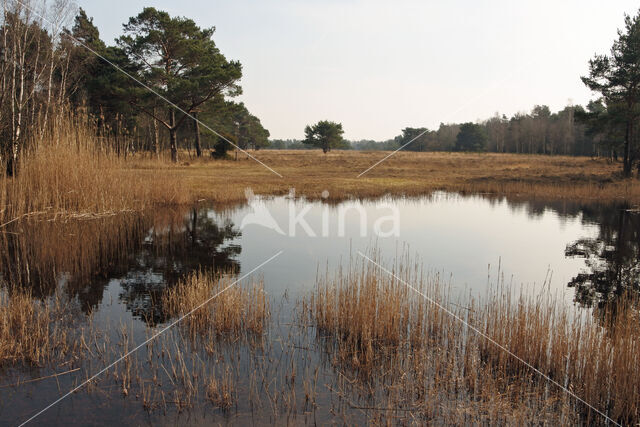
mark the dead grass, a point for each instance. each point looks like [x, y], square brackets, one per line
[221, 391]
[403, 174]
[234, 311]
[600, 364]
[69, 175]
[35, 332]
[414, 355]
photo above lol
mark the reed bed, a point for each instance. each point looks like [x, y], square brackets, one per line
[34, 332]
[598, 358]
[71, 174]
[232, 310]
[414, 356]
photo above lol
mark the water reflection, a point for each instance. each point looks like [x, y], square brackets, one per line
[201, 241]
[144, 253]
[612, 257]
[117, 267]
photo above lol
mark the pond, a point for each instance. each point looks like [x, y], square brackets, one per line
[583, 253]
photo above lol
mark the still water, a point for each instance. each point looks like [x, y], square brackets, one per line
[583, 253]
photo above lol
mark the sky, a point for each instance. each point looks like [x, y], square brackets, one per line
[380, 66]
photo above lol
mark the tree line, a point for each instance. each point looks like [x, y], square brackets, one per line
[53, 64]
[537, 132]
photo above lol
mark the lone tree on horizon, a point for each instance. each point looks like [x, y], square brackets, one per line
[617, 78]
[325, 135]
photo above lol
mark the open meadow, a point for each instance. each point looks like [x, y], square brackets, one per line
[402, 174]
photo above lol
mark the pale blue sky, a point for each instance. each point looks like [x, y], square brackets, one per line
[379, 66]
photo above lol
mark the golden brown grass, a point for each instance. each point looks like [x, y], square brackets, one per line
[221, 391]
[234, 311]
[69, 175]
[420, 357]
[33, 331]
[600, 364]
[408, 174]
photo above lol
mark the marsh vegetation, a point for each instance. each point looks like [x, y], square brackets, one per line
[354, 344]
[399, 334]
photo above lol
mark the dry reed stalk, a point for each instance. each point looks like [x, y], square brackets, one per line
[221, 391]
[599, 360]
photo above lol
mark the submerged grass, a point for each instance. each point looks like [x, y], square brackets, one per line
[33, 331]
[234, 310]
[406, 349]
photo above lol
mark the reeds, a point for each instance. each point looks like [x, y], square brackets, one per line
[221, 391]
[34, 332]
[70, 174]
[414, 353]
[230, 309]
[598, 359]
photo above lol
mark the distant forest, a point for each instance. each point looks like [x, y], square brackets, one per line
[570, 131]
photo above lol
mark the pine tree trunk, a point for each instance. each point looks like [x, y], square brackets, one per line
[196, 129]
[626, 161]
[173, 136]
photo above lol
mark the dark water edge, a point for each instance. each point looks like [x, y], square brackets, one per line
[113, 269]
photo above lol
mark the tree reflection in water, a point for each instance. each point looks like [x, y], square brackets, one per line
[168, 254]
[612, 258]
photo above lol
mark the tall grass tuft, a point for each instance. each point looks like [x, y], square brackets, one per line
[33, 331]
[233, 311]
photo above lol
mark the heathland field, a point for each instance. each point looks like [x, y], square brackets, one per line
[403, 173]
[70, 179]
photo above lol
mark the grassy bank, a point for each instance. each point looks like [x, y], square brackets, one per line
[70, 177]
[405, 173]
